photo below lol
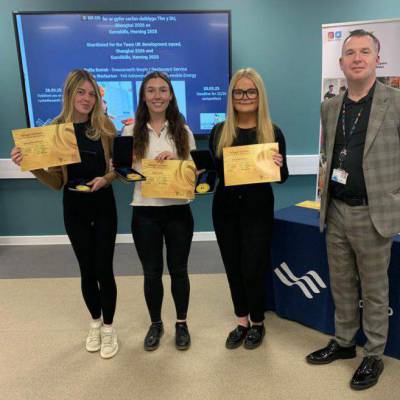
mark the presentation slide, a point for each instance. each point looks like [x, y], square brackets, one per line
[119, 50]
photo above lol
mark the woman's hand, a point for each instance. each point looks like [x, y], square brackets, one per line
[165, 155]
[16, 156]
[278, 159]
[97, 183]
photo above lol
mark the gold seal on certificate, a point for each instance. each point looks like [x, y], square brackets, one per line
[250, 164]
[169, 179]
[47, 146]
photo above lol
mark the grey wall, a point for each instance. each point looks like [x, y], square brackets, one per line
[280, 38]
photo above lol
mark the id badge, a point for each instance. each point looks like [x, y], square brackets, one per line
[339, 175]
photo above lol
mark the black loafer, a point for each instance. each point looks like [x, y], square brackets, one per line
[182, 336]
[254, 337]
[331, 353]
[236, 337]
[367, 374]
[152, 339]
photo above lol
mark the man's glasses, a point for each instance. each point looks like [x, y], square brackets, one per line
[239, 94]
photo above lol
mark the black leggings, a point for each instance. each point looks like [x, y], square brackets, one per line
[150, 226]
[91, 224]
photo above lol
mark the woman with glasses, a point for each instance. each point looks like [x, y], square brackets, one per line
[160, 133]
[243, 215]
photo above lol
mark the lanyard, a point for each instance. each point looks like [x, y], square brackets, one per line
[355, 122]
[343, 152]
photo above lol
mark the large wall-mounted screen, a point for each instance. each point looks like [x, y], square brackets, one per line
[119, 49]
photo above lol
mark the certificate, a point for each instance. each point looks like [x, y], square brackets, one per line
[168, 179]
[250, 164]
[47, 146]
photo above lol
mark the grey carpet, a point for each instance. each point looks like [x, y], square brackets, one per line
[58, 261]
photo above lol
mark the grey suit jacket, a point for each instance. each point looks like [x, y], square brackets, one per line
[381, 159]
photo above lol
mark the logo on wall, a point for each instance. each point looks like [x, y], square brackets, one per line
[310, 283]
[334, 35]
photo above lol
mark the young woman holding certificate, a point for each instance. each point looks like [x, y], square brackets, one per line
[243, 215]
[160, 133]
[89, 208]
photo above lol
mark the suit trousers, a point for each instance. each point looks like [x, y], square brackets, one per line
[358, 259]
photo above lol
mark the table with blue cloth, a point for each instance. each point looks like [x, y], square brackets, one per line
[298, 282]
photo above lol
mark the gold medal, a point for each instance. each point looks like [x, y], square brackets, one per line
[82, 188]
[133, 177]
[202, 188]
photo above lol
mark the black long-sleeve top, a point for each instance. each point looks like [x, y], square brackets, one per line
[92, 156]
[252, 195]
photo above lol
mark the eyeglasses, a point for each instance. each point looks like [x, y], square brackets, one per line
[239, 94]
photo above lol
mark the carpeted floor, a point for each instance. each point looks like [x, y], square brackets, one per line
[44, 325]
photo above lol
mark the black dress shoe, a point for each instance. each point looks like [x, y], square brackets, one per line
[236, 337]
[152, 339]
[367, 374]
[331, 353]
[182, 336]
[254, 337]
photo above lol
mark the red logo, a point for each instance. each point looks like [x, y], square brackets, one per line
[331, 35]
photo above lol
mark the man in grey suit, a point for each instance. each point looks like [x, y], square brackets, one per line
[360, 205]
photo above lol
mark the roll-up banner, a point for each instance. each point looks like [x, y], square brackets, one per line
[333, 80]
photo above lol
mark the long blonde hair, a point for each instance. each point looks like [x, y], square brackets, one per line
[99, 122]
[265, 129]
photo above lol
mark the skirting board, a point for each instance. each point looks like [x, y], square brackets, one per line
[63, 239]
[298, 165]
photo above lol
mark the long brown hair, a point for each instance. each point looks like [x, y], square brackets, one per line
[176, 123]
[99, 122]
[265, 130]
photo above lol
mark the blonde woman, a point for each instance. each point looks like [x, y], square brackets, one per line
[243, 215]
[90, 218]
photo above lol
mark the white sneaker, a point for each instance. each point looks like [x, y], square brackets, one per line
[93, 340]
[109, 342]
